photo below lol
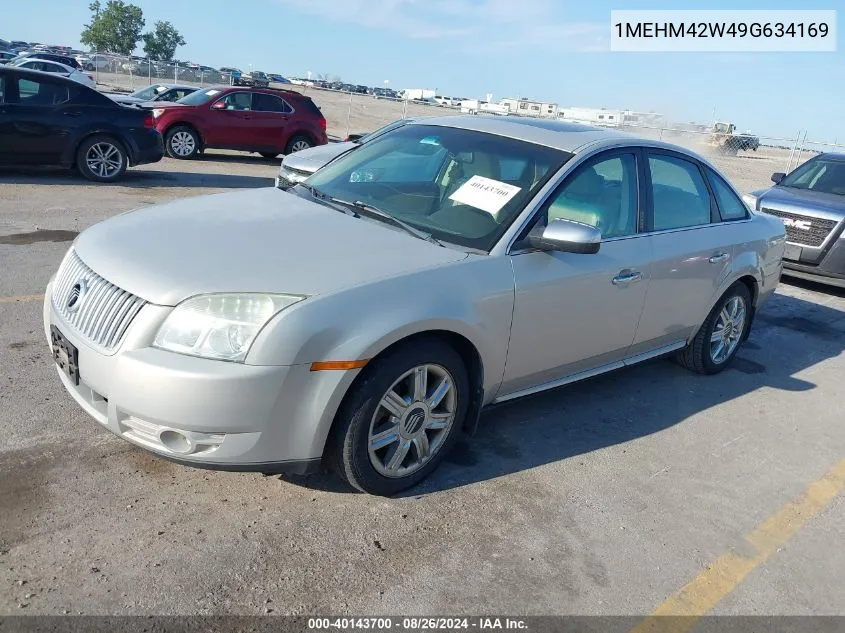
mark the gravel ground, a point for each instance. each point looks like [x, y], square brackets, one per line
[604, 497]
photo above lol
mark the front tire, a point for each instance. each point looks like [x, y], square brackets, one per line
[182, 142]
[102, 158]
[401, 417]
[298, 143]
[724, 330]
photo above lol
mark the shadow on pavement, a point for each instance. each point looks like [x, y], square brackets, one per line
[790, 334]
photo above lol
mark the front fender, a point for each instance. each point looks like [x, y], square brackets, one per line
[472, 297]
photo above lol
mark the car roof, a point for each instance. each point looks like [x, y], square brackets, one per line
[569, 137]
[833, 155]
[40, 74]
[69, 69]
[270, 91]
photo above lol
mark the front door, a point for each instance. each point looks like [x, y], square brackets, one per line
[231, 121]
[575, 312]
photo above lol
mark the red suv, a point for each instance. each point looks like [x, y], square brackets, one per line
[270, 122]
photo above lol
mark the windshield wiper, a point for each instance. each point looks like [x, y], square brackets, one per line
[372, 211]
[327, 200]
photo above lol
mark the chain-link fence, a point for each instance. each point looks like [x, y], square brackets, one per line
[346, 112]
[748, 159]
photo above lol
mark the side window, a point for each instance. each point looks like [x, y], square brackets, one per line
[730, 206]
[268, 103]
[238, 101]
[42, 93]
[680, 197]
[602, 193]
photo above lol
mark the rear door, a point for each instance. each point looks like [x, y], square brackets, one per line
[271, 115]
[37, 119]
[692, 249]
[230, 121]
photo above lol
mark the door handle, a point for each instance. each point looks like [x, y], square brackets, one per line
[72, 113]
[626, 277]
[719, 258]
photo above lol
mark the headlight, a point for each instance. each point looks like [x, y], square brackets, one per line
[750, 200]
[219, 326]
[157, 112]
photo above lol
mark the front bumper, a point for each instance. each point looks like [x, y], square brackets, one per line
[830, 270]
[203, 413]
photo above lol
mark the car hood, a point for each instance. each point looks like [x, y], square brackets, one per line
[262, 240]
[312, 159]
[786, 199]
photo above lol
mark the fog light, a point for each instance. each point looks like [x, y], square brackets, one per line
[176, 442]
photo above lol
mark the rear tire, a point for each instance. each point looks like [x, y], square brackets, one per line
[182, 142]
[101, 158]
[298, 143]
[390, 434]
[731, 316]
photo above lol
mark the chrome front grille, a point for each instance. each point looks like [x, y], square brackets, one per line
[806, 230]
[98, 310]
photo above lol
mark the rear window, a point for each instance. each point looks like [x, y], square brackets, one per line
[308, 105]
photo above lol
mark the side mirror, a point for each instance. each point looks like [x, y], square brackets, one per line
[778, 176]
[568, 237]
[218, 105]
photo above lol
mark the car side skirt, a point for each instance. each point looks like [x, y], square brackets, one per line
[596, 371]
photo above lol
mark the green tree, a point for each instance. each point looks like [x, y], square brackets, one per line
[115, 28]
[161, 43]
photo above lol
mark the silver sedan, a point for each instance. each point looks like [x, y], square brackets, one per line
[364, 318]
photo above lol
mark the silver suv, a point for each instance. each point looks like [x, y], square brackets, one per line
[366, 317]
[811, 203]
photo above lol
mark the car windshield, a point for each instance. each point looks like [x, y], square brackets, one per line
[461, 186]
[149, 92]
[199, 97]
[825, 175]
[382, 130]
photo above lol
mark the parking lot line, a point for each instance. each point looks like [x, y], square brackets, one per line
[723, 575]
[21, 298]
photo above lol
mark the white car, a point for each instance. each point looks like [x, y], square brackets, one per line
[47, 66]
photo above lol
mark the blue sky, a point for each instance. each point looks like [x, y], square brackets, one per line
[555, 50]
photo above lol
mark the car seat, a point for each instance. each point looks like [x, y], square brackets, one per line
[588, 200]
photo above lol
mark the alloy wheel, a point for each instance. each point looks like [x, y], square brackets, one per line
[728, 330]
[412, 420]
[299, 146]
[183, 143]
[104, 159]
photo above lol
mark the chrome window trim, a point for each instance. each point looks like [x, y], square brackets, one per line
[640, 146]
[541, 197]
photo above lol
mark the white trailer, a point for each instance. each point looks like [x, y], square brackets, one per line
[419, 94]
[474, 106]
